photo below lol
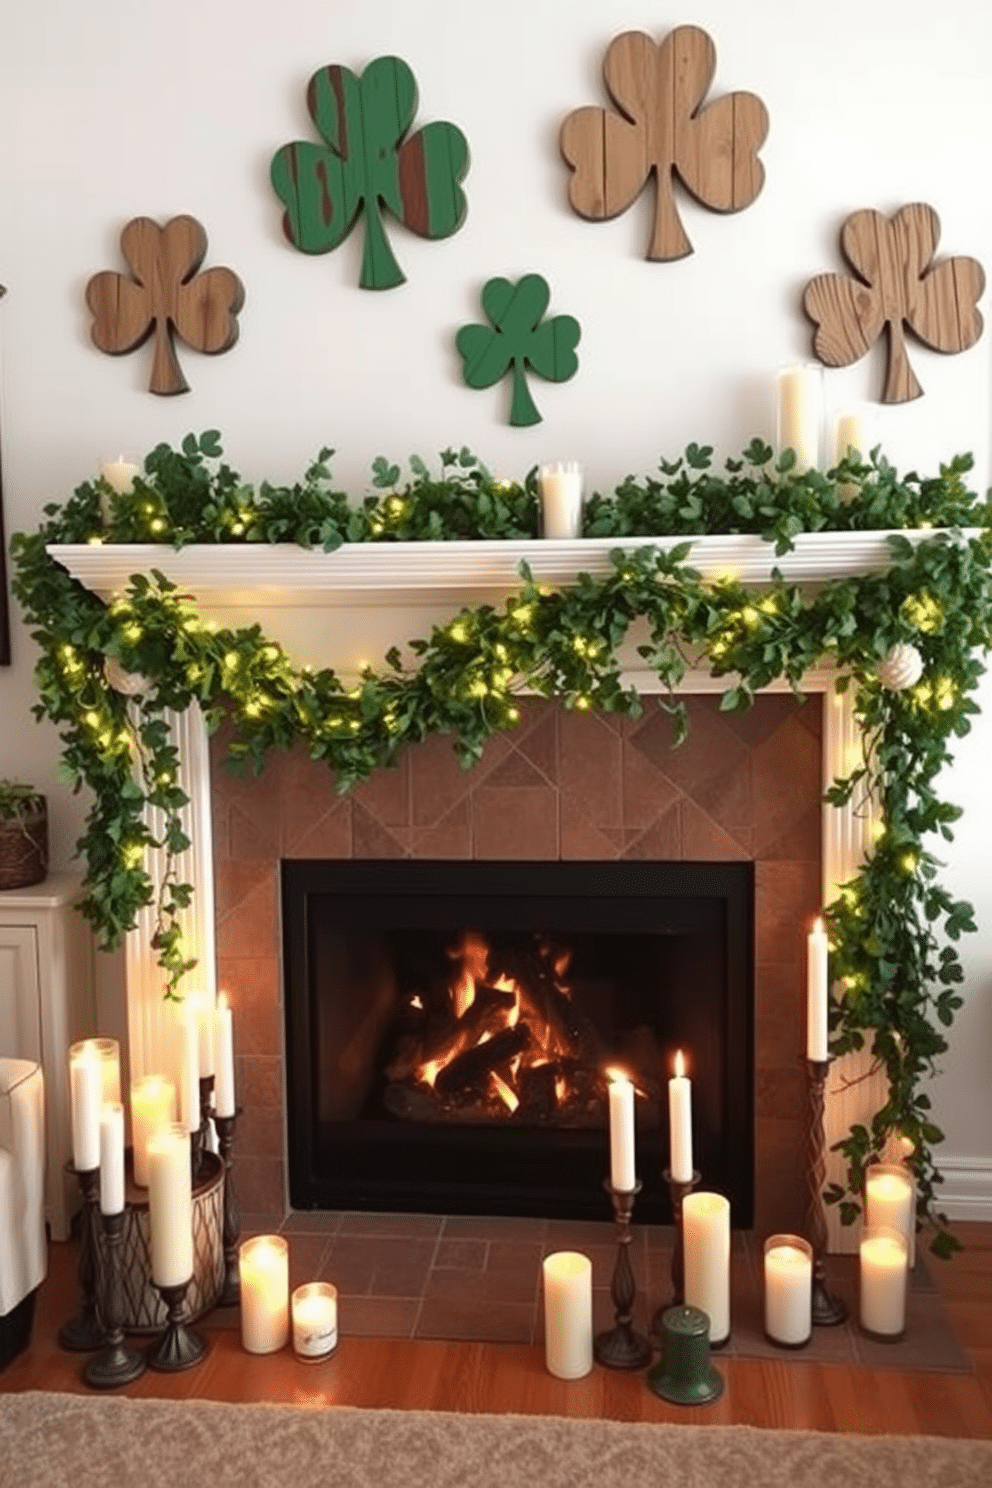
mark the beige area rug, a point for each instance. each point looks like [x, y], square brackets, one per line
[81, 1441]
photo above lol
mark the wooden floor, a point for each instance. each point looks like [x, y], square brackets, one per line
[375, 1372]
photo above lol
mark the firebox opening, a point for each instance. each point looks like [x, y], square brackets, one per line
[449, 1028]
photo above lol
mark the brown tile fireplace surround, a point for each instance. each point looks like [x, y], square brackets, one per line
[562, 786]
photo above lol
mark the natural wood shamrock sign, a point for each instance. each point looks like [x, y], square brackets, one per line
[167, 293]
[366, 162]
[897, 284]
[664, 129]
[519, 337]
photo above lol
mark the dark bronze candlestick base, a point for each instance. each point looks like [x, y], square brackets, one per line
[84, 1333]
[622, 1347]
[678, 1188]
[828, 1310]
[200, 1139]
[115, 1364]
[231, 1293]
[179, 1347]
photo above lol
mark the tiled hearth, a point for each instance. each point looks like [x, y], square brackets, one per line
[561, 786]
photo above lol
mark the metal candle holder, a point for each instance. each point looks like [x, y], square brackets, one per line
[115, 1364]
[200, 1138]
[622, 1347]
[678, 1189]
[231, 1293]
[828, 1310]
[84, 1332]
[179, 1347]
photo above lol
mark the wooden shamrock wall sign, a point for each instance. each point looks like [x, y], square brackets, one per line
[897, 284]
[366, 162]
[167, 294]
[664, 129]
[519, 337]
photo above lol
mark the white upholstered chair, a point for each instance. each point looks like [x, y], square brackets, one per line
[23, 1248]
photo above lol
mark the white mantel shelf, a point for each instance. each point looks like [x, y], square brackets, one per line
[375, 574]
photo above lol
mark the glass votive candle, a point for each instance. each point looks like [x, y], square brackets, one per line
[263, 1264]
[315, 1320]
[788, 1290]
[890, 1199]
[560, 486]
[568, 1314]
[884, 1260]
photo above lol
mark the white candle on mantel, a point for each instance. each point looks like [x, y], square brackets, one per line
[561, 499]
[170, 1205]
[263, 1267]
[153, 1105]
[200, 1006]
[817, 992]
[884, 1261]
[850, 435]
[86, 1098]
[188, 1041]
[788, 1289]
[111, 1157]
[314, 1308]
[567, 1314]
[622, 1171]
[119, 475]
[680, 1123]
[799, 410]
[706, 1248]
[223, 1058]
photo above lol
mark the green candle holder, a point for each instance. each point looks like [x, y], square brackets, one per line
[685, 1375]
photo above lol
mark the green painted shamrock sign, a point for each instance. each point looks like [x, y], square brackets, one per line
[519, 337]
[366, 162]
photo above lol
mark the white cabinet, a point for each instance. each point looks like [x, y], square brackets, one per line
[46, 1002]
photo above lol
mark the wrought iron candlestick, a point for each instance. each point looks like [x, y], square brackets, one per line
[179, 1347]
[231, 1293]
[622, 1347]
[200, 1138]
[828, 1310]
[678, 1189]
[84, 1332]
[115, 1364]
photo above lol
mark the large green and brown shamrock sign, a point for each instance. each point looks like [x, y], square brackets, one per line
[365, 162]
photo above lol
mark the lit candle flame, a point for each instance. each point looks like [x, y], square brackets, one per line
[679, 1064]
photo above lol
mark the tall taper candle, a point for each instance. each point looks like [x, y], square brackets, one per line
[86, 1097]
[170, 1205]
[622, 1171]
[201, 1006]
[680, 1123]
[189, 1067]
[817, 992]
[111, 1157]
[223, 1058]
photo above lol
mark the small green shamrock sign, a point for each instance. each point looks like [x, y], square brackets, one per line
[519, 337]
[366, 162]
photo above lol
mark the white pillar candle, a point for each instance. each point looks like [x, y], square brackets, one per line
[153, 1105]
[680, 1123]
[119, 475]
[622, 1172]
[200, 1006]
[264, 1272]
[884, 1261]
[788, 1289]
[170, 1205]
[188, 1042]
[223, 1058]
[315, 1320]
[817, 992]
[850, 435]
[890, 1200]
[799, 406]
[107, 1050]
[706, 1247]
[561, 499]
[111, 1157]
[86, 1098]
[568, 1314]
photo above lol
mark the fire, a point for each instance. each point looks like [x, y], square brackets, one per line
[679, 1064]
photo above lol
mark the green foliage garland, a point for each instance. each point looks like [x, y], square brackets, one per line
[893, 930]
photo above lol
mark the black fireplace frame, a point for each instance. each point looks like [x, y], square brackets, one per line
[438, 883]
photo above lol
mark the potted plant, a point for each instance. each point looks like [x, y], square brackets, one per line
[23, 835]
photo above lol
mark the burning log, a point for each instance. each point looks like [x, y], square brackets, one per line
[470, 1069]
[486, 1015]
[538, 1093]
[412, 1103]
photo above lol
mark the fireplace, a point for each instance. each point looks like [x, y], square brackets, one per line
[449, 1027]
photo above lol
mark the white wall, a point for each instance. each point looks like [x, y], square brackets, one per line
[117, 109]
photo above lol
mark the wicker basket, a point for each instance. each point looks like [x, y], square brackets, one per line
[24, 846]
